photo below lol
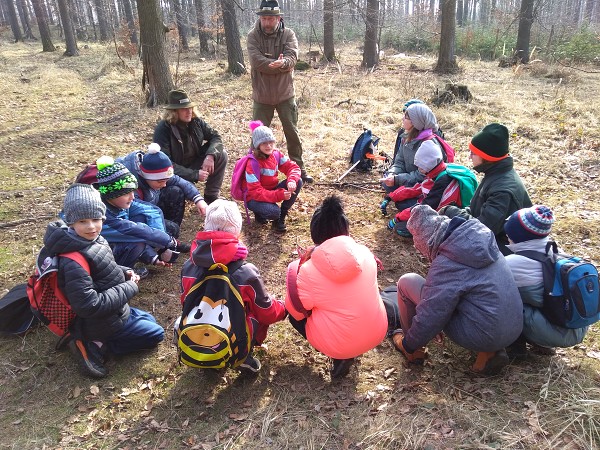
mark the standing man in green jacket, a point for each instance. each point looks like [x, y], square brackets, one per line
[273, 52]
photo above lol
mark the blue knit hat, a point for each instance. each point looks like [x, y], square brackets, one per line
[529, 223]
[156, 165]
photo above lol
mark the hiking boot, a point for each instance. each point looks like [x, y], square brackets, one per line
[141, 272]
[341, 367]
[518, 349]
[96, 352]
[88, 362]
[541, 350]
[183, 247]
[252, 364]
[490, 363]
[306, 177]
[279, 225]
[403, 233]
[260, 219]
[417, 357]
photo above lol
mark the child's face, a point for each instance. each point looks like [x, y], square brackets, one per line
[476, 159]
[88, 228]
[267, 147]
[122, 202]
[407, 123]
[157, 185]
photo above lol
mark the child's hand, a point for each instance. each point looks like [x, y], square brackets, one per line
[388, 181]
[287, 195]
[201, 207]
[202, 175]
[291, 186]
[130, 275]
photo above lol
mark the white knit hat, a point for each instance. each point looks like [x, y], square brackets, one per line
[428, 156]
[223, 215]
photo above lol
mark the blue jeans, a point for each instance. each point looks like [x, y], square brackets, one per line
[271, 211]
[141, 332]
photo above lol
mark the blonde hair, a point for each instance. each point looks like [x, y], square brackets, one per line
[171, 116]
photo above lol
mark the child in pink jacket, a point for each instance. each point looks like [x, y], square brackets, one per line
[332, 293]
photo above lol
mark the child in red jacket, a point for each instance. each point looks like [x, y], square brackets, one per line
[264, 188]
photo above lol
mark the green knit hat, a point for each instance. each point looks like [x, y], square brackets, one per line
[491, 143]
[114, 179]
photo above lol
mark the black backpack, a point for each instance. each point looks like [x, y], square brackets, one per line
[16, 316]
[365, 145]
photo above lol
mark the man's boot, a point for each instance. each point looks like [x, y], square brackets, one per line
[279, 224]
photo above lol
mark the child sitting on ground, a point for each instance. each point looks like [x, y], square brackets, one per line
[158, 185]
[264, 188]
[99, 298]
[431, 191]
[219, 243]
[501, 191]
[528, 230]
[133, 228]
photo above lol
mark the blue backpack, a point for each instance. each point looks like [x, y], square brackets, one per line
[571, 292]
[365, 145]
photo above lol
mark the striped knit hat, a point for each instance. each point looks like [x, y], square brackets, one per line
[156, 165]
[529, 223]
[114, 179]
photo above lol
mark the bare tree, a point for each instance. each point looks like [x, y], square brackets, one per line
[23, 14]
[14, 21]
[202, 34]
[156, 78]
[181, 28]
[235, 54]
[328, 48]
[102, 21]
[67, 23]
[42, 21]
[524, 33]
[446, 62]
[130, 21]
[371, 52]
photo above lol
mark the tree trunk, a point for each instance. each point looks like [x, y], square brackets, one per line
[42, 21]
[202, 34]
[67, 23]
[14, 21]
[235, 55]
[446, 62]
[459, 13]
[524, 33]
[22, 9]
[371, 52]
[589, 11]
[130, 21]
[102, 22]
[328, 48]
[181, 28]
[156, 78]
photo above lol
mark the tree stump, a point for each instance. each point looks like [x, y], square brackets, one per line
[453, 93]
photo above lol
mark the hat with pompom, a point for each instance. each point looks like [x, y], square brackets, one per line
[329, 221]
[155, 165]
[223, 215]
[529, 223]
[114, 179]
[260, 133]
[491, 143]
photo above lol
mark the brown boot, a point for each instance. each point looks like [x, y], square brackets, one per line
[416, 357]
[490, 363]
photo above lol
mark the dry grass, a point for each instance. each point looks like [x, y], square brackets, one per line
[59, 113]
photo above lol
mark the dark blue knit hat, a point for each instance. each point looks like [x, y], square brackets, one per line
[156, 165]
[529, 223]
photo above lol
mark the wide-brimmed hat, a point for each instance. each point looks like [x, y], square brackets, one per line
[179, 99]
[269, 8]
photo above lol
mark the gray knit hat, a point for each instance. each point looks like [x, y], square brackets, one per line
[262, 134]
[82, 201]
[422, 117]
[223, 215]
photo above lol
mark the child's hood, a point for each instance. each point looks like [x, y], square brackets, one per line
[58, 239]
[471, 244]
[340, 258]
[210, 247]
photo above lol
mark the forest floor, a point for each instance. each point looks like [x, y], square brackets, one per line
[59, 113]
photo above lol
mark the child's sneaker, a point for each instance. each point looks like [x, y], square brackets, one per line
[88, 363]
[252, 364]
[403, 233]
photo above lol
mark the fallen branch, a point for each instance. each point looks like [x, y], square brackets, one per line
[359, 185]
[577, 68]
[22, 221]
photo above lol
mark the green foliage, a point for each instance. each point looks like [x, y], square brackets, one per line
[405, 41]
[483, 43]
[584, 46]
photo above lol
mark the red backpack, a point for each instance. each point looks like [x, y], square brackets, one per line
[239, 190]
[48, 303]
